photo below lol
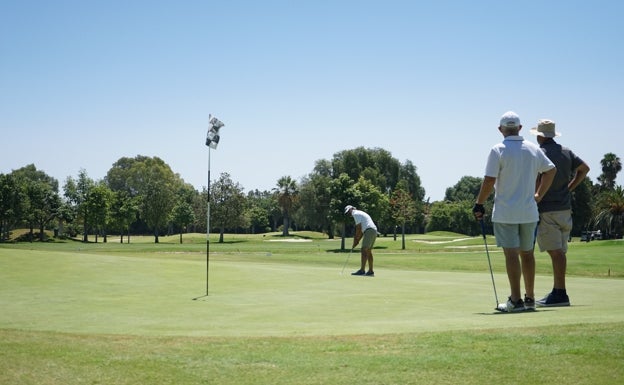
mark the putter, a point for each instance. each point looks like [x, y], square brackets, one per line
[487, 252]
[346, 261]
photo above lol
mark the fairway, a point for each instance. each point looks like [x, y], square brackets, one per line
[145, 295]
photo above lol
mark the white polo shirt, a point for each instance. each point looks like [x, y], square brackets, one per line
[364, 219]
[516, 163]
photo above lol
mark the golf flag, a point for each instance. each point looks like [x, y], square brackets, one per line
[212, 138]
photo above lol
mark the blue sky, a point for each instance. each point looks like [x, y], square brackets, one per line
[84, 83]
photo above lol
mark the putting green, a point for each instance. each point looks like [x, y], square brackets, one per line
[112, 294]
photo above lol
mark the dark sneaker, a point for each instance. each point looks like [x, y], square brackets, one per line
[554, 300]
[359, 272]
[529, 303]
[511, 306]
[370, 274]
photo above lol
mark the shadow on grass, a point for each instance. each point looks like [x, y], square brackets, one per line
[536, 311]
[290, 236]
[356, 250]
[228, 242]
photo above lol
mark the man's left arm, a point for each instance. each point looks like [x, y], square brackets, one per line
[579, 176]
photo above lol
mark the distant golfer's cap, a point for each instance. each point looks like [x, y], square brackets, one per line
[510, 120]
[545, 128]
[347, 208]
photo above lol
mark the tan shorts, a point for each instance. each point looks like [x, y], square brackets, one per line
[368, 239]
[554, 229]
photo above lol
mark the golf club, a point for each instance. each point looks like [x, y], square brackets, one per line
[487, 252]
[346, 261]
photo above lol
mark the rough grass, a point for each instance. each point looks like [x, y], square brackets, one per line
[574, 354]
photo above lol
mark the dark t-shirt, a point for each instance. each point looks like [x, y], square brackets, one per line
[558, 196]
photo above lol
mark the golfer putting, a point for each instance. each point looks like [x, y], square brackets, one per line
[365, 230]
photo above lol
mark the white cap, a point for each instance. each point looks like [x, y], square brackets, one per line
[510, 120]
[347, 208]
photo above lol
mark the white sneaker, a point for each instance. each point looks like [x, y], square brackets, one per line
[511, 306]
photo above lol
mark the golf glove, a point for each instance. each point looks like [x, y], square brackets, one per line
[478, 210]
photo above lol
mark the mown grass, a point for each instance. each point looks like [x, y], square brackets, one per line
[279, 313]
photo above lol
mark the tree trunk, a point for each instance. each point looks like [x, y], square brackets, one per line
[286, 226]
[402, 236]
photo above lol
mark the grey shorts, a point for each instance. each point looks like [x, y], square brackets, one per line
[554, 229]
[515, 235]
[368, 239]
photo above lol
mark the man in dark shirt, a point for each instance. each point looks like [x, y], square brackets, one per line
[556, 208]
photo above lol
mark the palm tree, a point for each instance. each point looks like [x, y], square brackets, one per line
[611, 165]
[286, 197]
[611, 211]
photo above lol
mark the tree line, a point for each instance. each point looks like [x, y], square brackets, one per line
[142, 195]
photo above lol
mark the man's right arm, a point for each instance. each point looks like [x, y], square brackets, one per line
[358, 235]
[545, 181]
[486, 189]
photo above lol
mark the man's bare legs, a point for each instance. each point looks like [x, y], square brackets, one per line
[528, 272]
[366, 255]
[514, 271]
[559, 264]
[520, 264]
